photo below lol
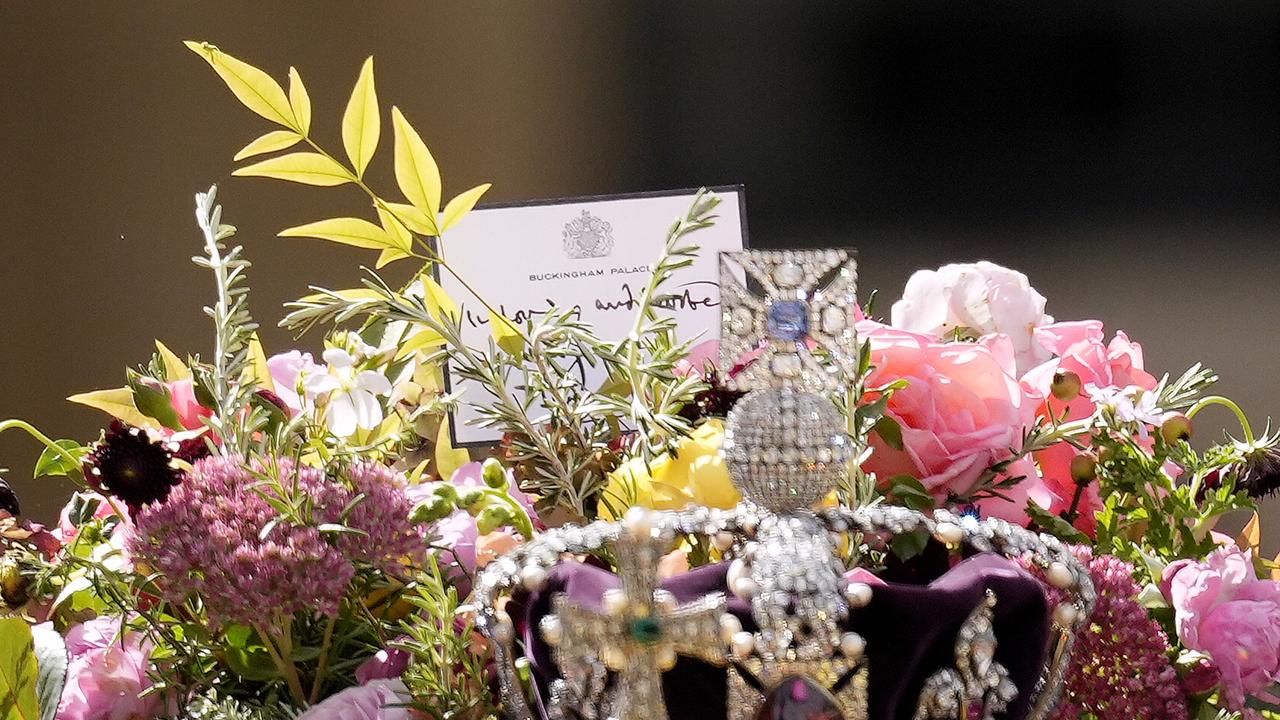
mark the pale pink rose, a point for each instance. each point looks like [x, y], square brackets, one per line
[700, 356]
[287, 370]
[68, 531]
[492, 545]
[974, 300]
[376, 700]
[864, 576]
[1223, 610]
[106, 675]
[960, 412]
[182, 395]
[1080, 347]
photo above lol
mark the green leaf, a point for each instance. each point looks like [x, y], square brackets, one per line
[908, 491]
[251, 86]
[300, 101]
[461, 205]
[269, 143]
[348, 231]
[1055, 525]
[152, 400]
[889, 431]
[18, 671]
[361, 120]
[51, 662]
[910, 544]
[308, 168]
[52, 462]
[416, 171]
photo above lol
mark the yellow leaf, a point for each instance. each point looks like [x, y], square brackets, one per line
[117, 403]
[389, 256]
[271, 142]
[437, 299]
[396, 231]
[300, 101]
[416, 170]
[258, 371]
[1275, 572]
[424, 339]
[348, 231]
[448, 458]
[413, 218]
[360, 121]
[307, 168]
[415, 475]
[351, 294]
[251, 86]
[1251, 535]
[174, 368]
[506, 333]
[461, 205]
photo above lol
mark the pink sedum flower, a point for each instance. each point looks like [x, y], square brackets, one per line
[376, 700]
[975, 300]
[960, 413]
[107, 674]
[1223, 610]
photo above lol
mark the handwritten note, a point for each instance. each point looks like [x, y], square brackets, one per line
[593, 255]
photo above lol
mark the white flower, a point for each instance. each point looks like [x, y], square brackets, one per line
[975, 299]
[1129, 404]
[352, 396]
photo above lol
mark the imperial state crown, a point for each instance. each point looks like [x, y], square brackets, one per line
[781, 628]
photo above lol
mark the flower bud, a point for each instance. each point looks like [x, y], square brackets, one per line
[495, 476]
[1174, 427]
[430, 510]
[1084, 468]
[445, 491]
[492, 518]
[13, 587]
[471, 499]
[1066, 385]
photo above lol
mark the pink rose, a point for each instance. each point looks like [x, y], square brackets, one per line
[1223, 610]
[68, 531]
[182, 395]
[106, 675]
[375, 700]
[960, 413]
[1078, 347]
[700, 356]
[286, 371]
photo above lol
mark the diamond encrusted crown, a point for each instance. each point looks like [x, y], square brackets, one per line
[776, 626]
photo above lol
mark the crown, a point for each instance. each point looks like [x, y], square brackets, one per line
[587, 236]
[781, 629]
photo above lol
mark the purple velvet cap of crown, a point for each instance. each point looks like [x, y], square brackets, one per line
[910, 632]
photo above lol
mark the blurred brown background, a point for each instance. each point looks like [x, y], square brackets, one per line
[1126, 157]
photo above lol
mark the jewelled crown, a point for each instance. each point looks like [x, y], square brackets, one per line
[782, 629]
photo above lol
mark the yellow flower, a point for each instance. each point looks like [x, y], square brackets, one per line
[696, 475]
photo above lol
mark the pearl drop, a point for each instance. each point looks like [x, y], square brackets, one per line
[737, 569]
[852, 645]
[551, 629]
[615, 601]
[533, 578]
[745, 588]
[503, 629]
[858, 594]
[730, 626]
[1065, 614]
[1060, 576]
[722, 541]
[639, 522]
[666, 657]
[742, 644]
[665, 601]
[614, 658]
[949, 533]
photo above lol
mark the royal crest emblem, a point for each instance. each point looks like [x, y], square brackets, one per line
[587, 236]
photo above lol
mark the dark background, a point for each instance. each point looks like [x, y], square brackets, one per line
[1125, 155]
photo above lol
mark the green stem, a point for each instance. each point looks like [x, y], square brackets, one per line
[287, 670]
[323, 666]
[1230, 405]
[28, 428]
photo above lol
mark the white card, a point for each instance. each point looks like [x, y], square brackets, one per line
[595, 254]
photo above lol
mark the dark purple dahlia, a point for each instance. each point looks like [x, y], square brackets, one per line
[129, 464]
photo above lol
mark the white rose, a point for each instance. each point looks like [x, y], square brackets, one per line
[973, 300]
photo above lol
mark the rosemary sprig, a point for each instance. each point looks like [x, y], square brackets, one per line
[234, 418]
